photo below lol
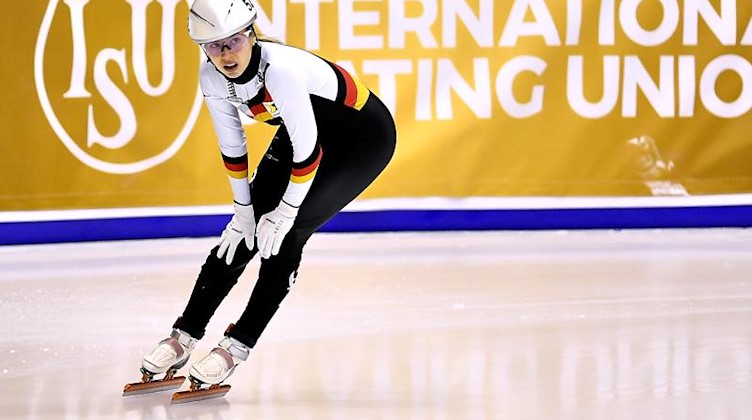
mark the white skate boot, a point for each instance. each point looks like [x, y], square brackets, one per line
[212, 370]
[170, 355]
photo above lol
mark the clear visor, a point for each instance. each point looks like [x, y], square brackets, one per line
[232, 43]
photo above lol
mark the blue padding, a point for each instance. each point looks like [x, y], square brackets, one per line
[111, 229]
[621, 218]
[388, 220]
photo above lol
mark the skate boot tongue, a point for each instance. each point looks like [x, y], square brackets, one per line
[170, 353]
[214, 368]
[173, 343]
[219, 364]
[225, 356]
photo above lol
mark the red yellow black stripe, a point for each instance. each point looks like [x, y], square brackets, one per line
[259, 110]
[304, 171]
[237, 167]
[350, 91]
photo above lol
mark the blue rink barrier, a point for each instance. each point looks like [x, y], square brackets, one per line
[153, 227]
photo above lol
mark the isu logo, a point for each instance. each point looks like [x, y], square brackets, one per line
[87, 56]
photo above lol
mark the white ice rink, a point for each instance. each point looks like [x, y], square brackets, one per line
[637, 325]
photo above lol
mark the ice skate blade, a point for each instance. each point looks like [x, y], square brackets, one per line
[138, 388]
[200, 394]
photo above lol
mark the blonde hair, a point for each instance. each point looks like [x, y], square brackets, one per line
[262, 37]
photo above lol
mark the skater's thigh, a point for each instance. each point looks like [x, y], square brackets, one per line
[272, 174]
[340, 179]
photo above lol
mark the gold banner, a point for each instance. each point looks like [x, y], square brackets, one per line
[491, 98]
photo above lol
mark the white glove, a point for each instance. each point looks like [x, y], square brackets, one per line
[241, 226]
[273, 227]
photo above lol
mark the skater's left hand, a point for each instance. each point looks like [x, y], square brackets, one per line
[273, 227]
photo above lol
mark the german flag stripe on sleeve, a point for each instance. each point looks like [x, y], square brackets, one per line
[350, 91]
[258, 109]
[237, 167]
[304, 171]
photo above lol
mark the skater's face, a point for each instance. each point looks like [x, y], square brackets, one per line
[231, 55]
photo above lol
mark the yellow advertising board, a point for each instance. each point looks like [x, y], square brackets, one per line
[492, 98]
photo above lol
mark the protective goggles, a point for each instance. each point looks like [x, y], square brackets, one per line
[233, 43]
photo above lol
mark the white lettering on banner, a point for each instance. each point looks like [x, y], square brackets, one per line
[710, 98]
[687, 89]
[480, 26]
[747, 37]
[505, 81]
[722, 25]
[312, 18]
[111, 93]
[387, 71]
[78, 72]
[348, 18]
[449, 80]
[424, 97]
[660, 96]
[606, 23]
[671, 93]
[108, 87]
[115, 98]
[516, 25]
[672, 85]
[671, 90]
[574, 22]
[635, 32]
[576, 87]
[276, 28]
[139, 45]
[722, 22]
[400, 25]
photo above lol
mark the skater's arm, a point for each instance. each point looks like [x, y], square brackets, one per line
[287, 86]
[230, 134]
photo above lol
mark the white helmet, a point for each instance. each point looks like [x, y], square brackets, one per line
[212, 20]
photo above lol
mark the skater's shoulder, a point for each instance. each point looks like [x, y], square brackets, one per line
[211, 80]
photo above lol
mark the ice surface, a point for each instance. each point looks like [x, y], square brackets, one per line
[465, 325]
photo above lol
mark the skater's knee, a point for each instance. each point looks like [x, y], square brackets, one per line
[282, 267]
[284, 261]
[295, 240]
[242, 257]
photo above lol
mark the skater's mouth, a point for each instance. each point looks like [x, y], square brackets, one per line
[231, 67]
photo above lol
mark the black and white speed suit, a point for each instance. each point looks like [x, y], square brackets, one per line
[334, 138]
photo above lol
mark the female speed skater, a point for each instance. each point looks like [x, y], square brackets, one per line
[334, 138]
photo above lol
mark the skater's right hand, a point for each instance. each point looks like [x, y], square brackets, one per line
[241, 226]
